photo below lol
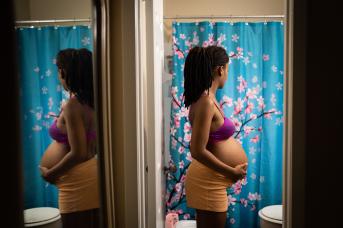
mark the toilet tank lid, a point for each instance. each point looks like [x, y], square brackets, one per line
[273, 212]
[40, 216]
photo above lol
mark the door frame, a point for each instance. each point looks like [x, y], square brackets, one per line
[148, 63]
[288, 157]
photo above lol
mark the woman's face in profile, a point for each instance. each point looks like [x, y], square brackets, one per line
[225, 71]
[62, 81]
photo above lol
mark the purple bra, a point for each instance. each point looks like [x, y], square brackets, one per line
[224, 132]
[61, 137]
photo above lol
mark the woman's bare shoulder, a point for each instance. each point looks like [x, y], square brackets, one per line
[73, 107]
[204, 103]
[202, 107]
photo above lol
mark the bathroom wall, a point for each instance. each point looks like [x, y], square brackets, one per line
[22, 9]
[52, 9]
[222, 7]
[177, 8]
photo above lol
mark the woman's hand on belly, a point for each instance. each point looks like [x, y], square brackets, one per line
[47, 176]
[240, 171]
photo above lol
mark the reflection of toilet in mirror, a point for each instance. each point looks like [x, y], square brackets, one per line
[271, 216]
[43, 217]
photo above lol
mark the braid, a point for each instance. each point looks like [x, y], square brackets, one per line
[85, 77]
[199, 66]
[72, 75]
[78, 73]
[197, 74]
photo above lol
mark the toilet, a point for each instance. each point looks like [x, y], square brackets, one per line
[271, 216]
[42, 217]
[186, 224]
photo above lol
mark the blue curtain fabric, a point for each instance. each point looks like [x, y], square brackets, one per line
[252, 98]
[41, 95]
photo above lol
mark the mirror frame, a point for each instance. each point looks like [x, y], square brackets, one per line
[14, 214]
[100, 60]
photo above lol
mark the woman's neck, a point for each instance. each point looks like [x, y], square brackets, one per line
[213, 89]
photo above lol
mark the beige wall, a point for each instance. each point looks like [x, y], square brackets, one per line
[22, 9]
[62, 9]
[222, 7]
[52, 9]
[177, 8]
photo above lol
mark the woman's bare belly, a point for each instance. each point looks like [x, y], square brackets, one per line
[56, 151]
[229, 151]
[53, 154]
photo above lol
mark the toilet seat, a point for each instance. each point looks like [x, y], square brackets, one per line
[40, 216]
[272, 213]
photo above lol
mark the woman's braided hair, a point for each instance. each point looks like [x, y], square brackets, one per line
[77, 71]
[198, 71]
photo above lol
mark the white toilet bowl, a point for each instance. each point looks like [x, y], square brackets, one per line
[42, 217]
[271, 216]
[186, 224]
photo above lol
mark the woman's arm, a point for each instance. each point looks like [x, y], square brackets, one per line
[201, 125]
[77, 141]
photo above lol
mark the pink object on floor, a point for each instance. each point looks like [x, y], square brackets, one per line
[171, 219]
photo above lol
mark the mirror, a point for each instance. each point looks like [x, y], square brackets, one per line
[59, 124]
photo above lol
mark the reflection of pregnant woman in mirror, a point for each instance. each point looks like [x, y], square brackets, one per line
[218, 159]
[69, 162]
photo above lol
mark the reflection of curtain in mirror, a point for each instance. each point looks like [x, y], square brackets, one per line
[41, 94]
[252, 97]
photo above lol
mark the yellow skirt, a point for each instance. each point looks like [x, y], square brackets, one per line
[79, 188]
[206, 188]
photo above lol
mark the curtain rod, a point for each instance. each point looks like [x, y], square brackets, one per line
[52, 21]
[227, 17]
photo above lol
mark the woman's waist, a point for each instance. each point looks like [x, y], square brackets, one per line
[61, 147]
[84, 165]
[201, 173]
[82, 172]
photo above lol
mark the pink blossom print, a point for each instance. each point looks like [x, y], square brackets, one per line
[251, 97]
[235, 38]
[255, 139]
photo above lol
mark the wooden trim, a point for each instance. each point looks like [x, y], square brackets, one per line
[103, 111]
[288, 110]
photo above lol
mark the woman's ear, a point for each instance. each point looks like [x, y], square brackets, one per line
[62, 73]
[220, 71]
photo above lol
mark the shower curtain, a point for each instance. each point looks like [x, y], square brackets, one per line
[252, 97]
[40, 97]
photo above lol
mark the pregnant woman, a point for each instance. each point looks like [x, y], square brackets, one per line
[218, 159]
[69, 162]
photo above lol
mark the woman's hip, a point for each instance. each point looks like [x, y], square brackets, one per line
[200, 173]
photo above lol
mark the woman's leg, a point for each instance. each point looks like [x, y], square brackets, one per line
[206, 219]
[81, 219]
